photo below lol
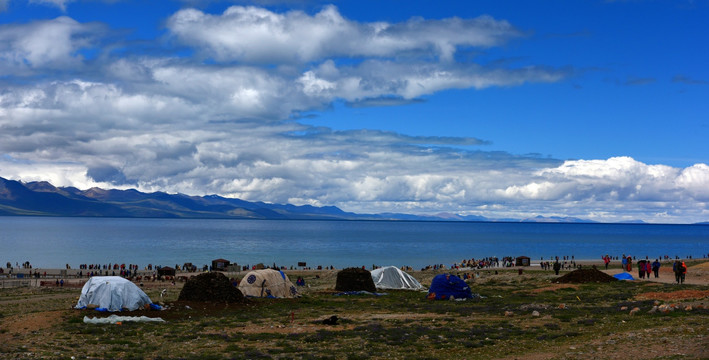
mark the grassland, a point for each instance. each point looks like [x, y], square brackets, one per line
[525, 316]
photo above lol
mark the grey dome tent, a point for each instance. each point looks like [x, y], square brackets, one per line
[391, 277]
[112, 293]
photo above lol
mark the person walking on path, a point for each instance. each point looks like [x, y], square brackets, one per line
[656, 268]
[676, 268]
[641, 269]
[683, 271]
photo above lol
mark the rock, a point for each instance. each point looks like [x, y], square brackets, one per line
[509, 313]
[535, 313]
[332, 320]
[634, 311]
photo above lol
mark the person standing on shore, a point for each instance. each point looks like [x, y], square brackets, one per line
[678, 272]
[625, 263]
[656, 268]
[557, 267]
[606, 260]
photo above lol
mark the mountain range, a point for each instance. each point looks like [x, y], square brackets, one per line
[41, 198]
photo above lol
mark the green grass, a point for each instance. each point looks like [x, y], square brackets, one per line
[371, 327]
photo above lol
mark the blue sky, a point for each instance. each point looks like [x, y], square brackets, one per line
[504, 109]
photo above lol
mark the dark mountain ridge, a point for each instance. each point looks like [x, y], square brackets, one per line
[40, 198]
[43, 199]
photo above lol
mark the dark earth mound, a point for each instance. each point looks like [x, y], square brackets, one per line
[355, 279]
[582, 276]
[211, 287]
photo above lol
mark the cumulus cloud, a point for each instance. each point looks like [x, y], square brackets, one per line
[46, 44]
[375, 78]
[254, 34]
[226, 125]
[370, 171]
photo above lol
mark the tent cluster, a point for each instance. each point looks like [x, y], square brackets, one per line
[444, 286]
[114, 293]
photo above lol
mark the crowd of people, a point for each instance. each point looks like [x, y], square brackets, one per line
[646, 267]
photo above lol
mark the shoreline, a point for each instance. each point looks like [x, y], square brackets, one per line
[534, 263]
[36, 277]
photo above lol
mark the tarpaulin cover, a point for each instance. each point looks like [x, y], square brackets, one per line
[624, 276]
[112, 293]
[114, 319]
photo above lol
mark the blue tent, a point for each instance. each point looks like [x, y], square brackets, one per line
[623, 276]
[444, 286]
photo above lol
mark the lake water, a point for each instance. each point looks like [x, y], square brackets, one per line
[53, 242]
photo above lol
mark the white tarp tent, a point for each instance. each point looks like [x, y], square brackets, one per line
[112, 293]
[391, 277]
[267, 283]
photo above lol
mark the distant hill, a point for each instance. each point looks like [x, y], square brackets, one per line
[41, 198]
[557, 219]
[44, 199]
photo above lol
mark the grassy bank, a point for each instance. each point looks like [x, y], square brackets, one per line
[516, 316]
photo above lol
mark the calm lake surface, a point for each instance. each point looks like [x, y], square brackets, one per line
[53, 242]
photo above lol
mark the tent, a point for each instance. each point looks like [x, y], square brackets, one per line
[354, 279]
[623, 276]
[445, 286]
[112, 293]
[267, 283]
[391, 277]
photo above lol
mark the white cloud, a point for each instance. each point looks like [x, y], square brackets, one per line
[371, 172]
[695, 180]
[50, 44]
[254, 34]
[61, 4]
[185, 125]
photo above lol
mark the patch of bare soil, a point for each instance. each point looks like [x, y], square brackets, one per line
[346, 322]
[31, 322]
[180, 310]
[675, 295]
[554, 287]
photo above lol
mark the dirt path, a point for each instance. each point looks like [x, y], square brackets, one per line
[696, 275]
